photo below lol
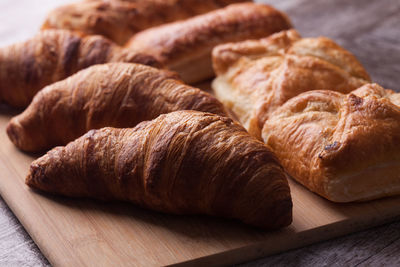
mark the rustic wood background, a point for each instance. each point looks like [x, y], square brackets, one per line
[368, 28]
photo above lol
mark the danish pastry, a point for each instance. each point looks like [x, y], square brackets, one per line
[255, 77]
[345, 147]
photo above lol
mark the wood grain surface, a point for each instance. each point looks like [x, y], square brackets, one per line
[352, 28]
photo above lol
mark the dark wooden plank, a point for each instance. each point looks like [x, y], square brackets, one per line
[16, 247]
[376, 247]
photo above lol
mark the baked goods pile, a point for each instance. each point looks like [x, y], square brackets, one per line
[105, 87]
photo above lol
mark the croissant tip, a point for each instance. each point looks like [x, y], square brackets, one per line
[29, 180]
[21, 137]
[34, 173]
[37, 178]
[14, 132]
[289, 218]
[283, 212]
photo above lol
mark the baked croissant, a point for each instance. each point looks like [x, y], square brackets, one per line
[120, 19]
[257, 76]
[184, 162]
[185, 46]
[53, 55]
[113, 94]
[343, 147]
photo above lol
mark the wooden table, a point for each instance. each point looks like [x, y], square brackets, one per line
[370, 29]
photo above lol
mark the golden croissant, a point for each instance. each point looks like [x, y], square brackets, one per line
[184, 162]
[185, 46]
[257, 76]
[345, 147]
[113, 94]
[119, 19]
[53, 55]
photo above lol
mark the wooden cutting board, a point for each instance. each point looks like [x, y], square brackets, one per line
[82, 232]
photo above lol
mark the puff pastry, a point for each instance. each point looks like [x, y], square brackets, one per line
[255, 77]
[184, 162]
[343, 147]
[113, 94]
[120, 19]
[185, 46]
[53, 55]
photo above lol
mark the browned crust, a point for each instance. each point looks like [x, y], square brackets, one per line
[343, 147]
[182, 162]
[255, 77]
[53, 55]
[183, 41]
[113, 94]
[119, 20]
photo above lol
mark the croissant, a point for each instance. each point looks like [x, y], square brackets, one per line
[185, 46]
[119, 19]
[184, 162]
[257, 76]
[53, 55]
[113, 94]
[345, 147]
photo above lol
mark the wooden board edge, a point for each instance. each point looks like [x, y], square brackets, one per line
[24, 219]
[306, 238]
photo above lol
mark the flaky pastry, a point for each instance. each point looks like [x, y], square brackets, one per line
[184, 162]
[113, 94]
[185, 46]
[120, 19]
[53, 55]
[345, 147]
[255, 77]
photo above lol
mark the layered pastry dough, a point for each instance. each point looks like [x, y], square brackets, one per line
[113, 94]
[343, 147]
[255, 77]
[184, 162]
[53, 55]
[120, 19]
[185, 46]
